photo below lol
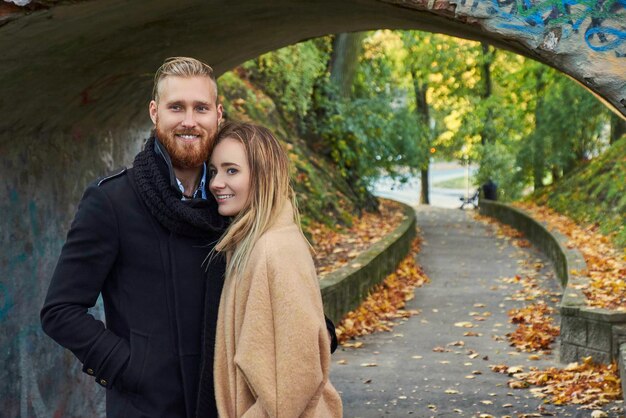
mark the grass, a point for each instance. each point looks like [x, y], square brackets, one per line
[595, 193]
[455, 183]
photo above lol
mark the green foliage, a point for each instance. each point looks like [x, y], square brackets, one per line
[567, 123]
[371, 131]
[499, 164]
[288, 75]
[594, 193]
[412, 91]
[240, 98]
[323, 196]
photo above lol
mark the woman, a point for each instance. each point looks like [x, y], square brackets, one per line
[272, 354]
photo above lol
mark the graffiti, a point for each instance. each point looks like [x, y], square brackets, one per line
[595, 19]
[605, 34]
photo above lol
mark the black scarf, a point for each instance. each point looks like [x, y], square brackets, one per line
[192, 218]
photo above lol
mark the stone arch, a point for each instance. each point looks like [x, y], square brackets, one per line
[75, 79]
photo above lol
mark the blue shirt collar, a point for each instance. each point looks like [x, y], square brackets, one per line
[200, 192]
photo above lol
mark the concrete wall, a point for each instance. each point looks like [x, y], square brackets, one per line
[42, 184]
[585, 331]
[344, 289]
[75, 79]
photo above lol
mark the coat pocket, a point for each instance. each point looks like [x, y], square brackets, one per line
[133, 375]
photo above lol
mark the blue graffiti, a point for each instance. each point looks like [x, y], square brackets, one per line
[534, 18]
[620, 37]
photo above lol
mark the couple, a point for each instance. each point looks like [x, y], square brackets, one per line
[210, 294]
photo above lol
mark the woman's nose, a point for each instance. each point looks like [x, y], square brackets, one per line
[216, 182]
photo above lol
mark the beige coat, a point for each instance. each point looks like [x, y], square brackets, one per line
[272, 351]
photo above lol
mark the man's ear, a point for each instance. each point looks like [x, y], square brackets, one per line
[220, 112]
[153, 111]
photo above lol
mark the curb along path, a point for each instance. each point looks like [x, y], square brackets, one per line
[427, 367]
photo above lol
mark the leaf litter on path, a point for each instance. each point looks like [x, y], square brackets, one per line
[587, 384]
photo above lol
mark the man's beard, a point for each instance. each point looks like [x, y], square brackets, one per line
[186, 154]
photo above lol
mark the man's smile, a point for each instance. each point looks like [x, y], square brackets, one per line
[188, 137]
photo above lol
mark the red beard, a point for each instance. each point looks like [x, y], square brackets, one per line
[186, 154]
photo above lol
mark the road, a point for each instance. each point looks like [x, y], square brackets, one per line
[409, 192]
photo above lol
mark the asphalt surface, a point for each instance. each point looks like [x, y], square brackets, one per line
[426, 366]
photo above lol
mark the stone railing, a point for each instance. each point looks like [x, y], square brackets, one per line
[585, 330]
[344, 289]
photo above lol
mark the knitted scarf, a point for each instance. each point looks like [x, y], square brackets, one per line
[192, 218]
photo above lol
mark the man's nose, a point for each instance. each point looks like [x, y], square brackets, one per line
[189, 120]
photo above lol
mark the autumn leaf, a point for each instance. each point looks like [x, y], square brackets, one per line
[336, 247]
[606, 267]
[535, 330]
[586, 383]
[386, 302]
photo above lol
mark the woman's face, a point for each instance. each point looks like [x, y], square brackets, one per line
[230, 176]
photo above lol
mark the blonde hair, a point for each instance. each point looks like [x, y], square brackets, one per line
[181, 67]
[270, 189]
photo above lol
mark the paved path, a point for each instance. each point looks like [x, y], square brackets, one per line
[466, 263]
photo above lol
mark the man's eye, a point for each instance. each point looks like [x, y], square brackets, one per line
[175, 108]
[202, 108]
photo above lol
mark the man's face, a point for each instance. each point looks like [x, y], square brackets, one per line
[186, 118]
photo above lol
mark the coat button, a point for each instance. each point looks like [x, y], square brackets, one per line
[90, 371]
[103, 382]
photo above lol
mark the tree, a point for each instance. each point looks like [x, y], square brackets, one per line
[344, 61]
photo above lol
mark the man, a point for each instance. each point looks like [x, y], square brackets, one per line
[140, 238]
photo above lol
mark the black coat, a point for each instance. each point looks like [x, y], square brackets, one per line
[160, 305]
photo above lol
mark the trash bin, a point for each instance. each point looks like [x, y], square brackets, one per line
[490, 190]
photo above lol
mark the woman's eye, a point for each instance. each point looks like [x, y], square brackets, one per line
[212, 173]
[231, 171]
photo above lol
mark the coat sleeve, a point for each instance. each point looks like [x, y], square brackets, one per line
[283, 347]
[86, 260]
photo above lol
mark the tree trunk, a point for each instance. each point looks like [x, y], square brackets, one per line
[538, 151]
[342, 66]
[423, 118]
[421, 105]
[344, 61]
[618, 128]
[425, 191]
[556, 173]
[487, 135]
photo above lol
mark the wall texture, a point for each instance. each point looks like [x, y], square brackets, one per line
[75, 79]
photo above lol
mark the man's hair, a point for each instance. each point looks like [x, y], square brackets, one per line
[181, 67]
[270, 189]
